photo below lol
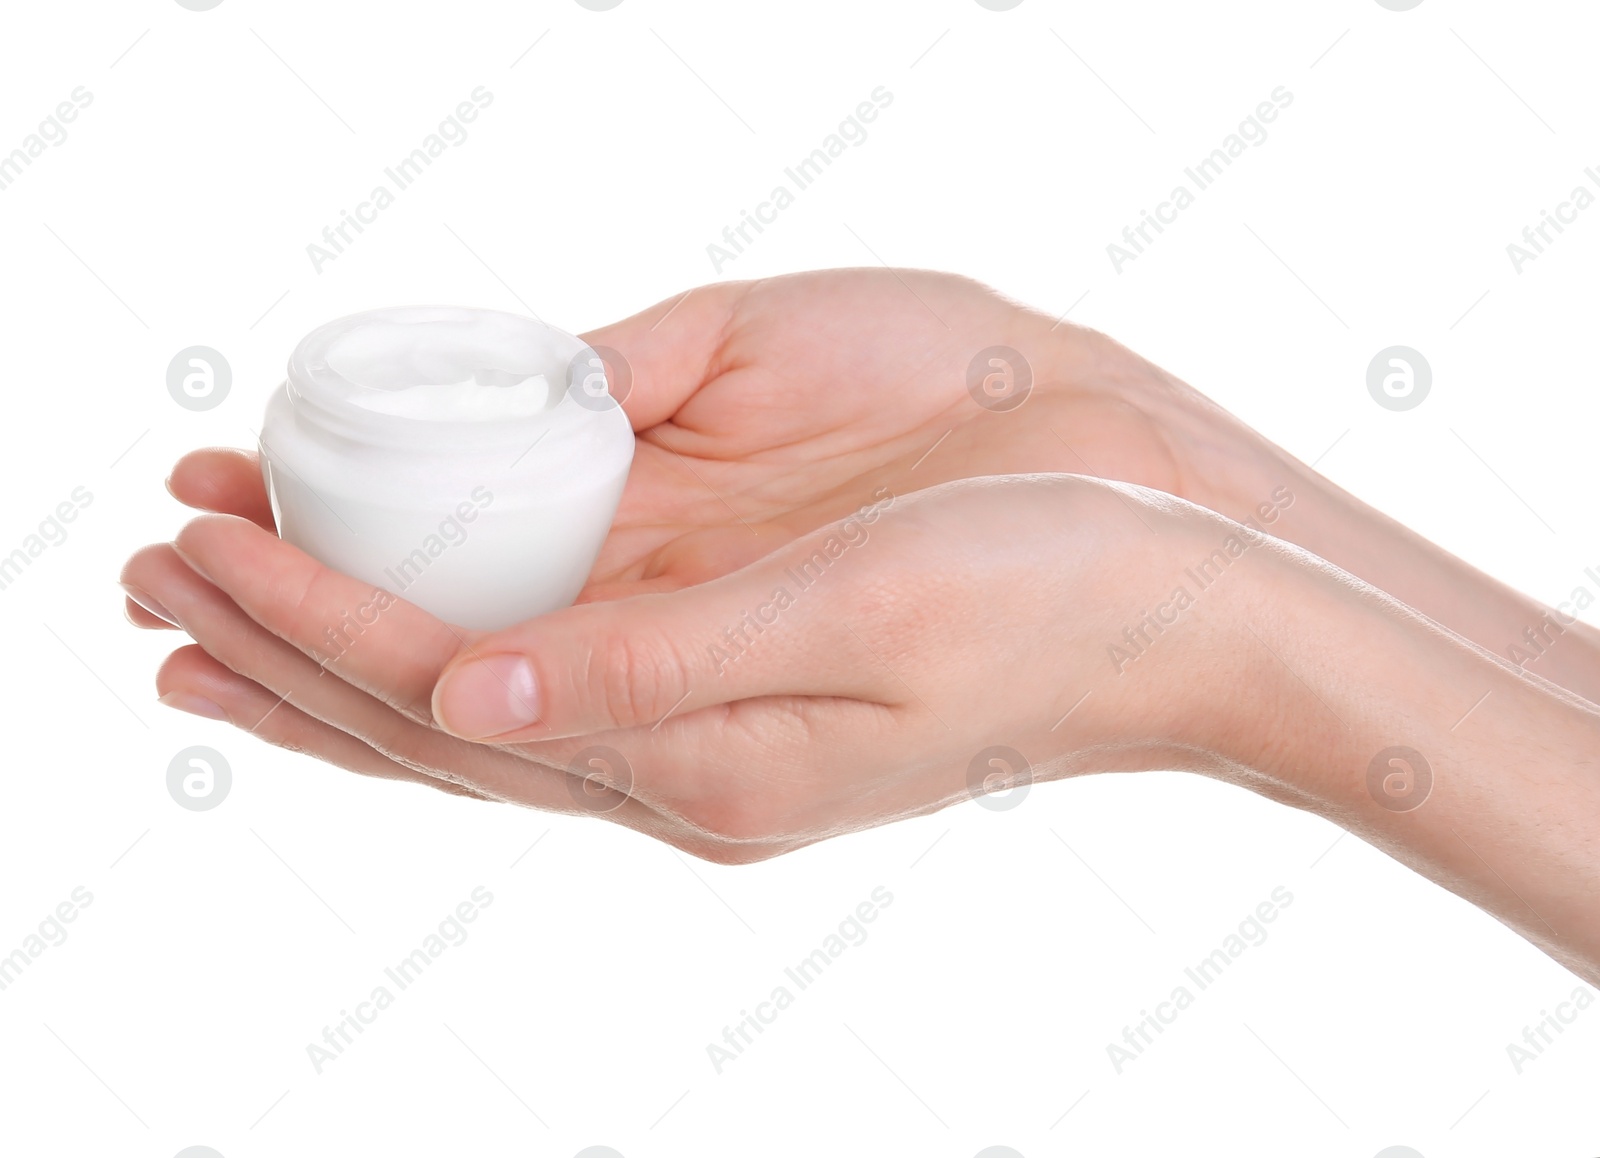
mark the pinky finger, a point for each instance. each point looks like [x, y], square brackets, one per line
[191, 681]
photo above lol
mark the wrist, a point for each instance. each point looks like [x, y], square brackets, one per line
[1422, 744]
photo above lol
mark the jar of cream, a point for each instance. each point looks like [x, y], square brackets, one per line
[468, 461]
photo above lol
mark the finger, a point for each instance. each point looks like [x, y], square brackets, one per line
[223, 480]
[772, 628]
[192, 681]
[144, 610]
[244, 647]
[761, 775]
[383, 645]
[670, 348]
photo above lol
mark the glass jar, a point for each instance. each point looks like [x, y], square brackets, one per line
[469, 461]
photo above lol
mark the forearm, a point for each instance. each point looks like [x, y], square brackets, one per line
[1511, 820]
[1513, 627]
[1231, 469]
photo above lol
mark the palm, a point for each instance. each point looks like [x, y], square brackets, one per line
[767, 409]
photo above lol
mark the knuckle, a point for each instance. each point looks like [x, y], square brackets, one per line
[641, 677]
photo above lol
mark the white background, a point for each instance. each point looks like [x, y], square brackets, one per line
[1019, 943]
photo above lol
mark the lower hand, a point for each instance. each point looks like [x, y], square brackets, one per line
[848, 679]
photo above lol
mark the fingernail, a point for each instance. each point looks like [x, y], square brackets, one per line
[145, 600]
[487, 697]
[194, 705]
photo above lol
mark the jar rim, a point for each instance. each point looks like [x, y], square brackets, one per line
[326, 367]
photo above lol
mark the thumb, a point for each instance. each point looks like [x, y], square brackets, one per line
[776, 627]
[653, 369]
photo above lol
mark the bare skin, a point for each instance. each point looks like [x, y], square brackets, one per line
[981, 603]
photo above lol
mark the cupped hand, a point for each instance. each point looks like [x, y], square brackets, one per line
[882, 666]
[766, 409]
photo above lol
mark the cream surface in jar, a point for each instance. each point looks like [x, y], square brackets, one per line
[468, 461]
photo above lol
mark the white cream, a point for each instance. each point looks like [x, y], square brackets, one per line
[446, 456]
[465, 401]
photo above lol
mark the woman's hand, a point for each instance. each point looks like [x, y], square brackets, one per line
[852, 677]
[766, 409]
